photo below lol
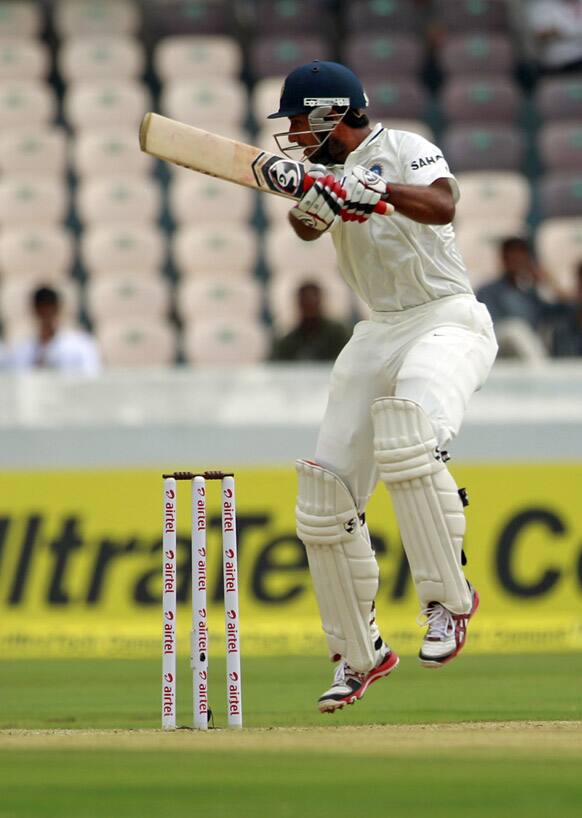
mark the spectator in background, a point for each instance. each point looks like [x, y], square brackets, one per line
[53, 346]
[315, 337]
[554, 28]
[519, 302]
[566, 339]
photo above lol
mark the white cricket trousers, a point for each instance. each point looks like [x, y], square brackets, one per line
[437, 354]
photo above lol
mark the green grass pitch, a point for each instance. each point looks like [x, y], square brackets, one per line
[485, 736]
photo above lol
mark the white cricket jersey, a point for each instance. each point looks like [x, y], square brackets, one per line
[565, 20]
[393, 262]
[70, 350]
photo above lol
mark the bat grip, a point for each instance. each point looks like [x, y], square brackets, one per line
[383, 208]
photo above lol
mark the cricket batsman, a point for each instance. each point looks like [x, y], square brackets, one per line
[400, 386]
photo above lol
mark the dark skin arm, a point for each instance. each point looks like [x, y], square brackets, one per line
[426, 204]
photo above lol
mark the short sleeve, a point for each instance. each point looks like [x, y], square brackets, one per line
[422, 163]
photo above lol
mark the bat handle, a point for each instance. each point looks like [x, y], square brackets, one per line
[382, 208]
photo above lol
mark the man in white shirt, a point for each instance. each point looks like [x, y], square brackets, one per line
[52, 346]
[556, 29]
[400, 386]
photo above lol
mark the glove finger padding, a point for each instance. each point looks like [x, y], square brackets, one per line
[320, 206]
[364, 189]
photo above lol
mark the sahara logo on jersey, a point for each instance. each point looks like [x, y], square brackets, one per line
[424, 161]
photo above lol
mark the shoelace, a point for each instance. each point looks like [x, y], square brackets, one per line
[343, 672]
[439, 620]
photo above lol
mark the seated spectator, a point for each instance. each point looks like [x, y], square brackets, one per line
[518, 309]
[53, 346]
[566, 339]
[315, 337]
[555, 29]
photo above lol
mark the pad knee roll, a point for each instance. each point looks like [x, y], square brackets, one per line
[426, 501]
[342, 563]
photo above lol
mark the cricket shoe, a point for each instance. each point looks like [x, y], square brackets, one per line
[349, 685]
[446, 634]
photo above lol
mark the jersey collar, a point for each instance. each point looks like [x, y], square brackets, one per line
[375, 133]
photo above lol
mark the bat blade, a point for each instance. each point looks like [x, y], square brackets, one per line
[227, 159]
[218, 156]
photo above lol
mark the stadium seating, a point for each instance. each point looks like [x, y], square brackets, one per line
[193, 198]
[489, 100]
[399, 98]
[23, 59]
[129, 342]
[192, 57]
[117, 199]
[20, 18]
[101, 57]
[78, 18]
[287, 254]
[36, 251]
[28, 198]
[385, 18]
[291, 16]
[76, 77]
[128, 294]
[110, 248]
[559, 248]
[493, 195]
[278, 55]
[176, 17]
[559, 98]
[560, 194]
[477, 54]
[379, 56]
[99, 103]
[225, 341]
[196, 102]
[560, 145]
[26, 103]
[34, 150]
[472, 16]
[221, 247]
[484, 147]
[219, 295]
[109, 150]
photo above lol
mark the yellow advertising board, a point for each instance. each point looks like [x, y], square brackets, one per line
[80, 563]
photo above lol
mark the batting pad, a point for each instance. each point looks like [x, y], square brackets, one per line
[426, 501]
[342, 563]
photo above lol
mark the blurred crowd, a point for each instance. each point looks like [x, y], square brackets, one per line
[110, 259]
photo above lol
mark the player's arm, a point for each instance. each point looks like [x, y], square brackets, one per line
[427, 204]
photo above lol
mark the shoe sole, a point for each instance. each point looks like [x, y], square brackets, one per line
[331, 705]
[436, 663]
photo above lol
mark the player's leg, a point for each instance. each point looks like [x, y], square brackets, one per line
[344, 572]
[331, 500]
[435, 382]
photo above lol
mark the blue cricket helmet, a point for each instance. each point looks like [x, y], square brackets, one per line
[320, 83]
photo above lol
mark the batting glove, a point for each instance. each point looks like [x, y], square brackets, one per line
[364, 189]
[319, 208]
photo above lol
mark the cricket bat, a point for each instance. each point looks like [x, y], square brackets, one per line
[227, 159]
